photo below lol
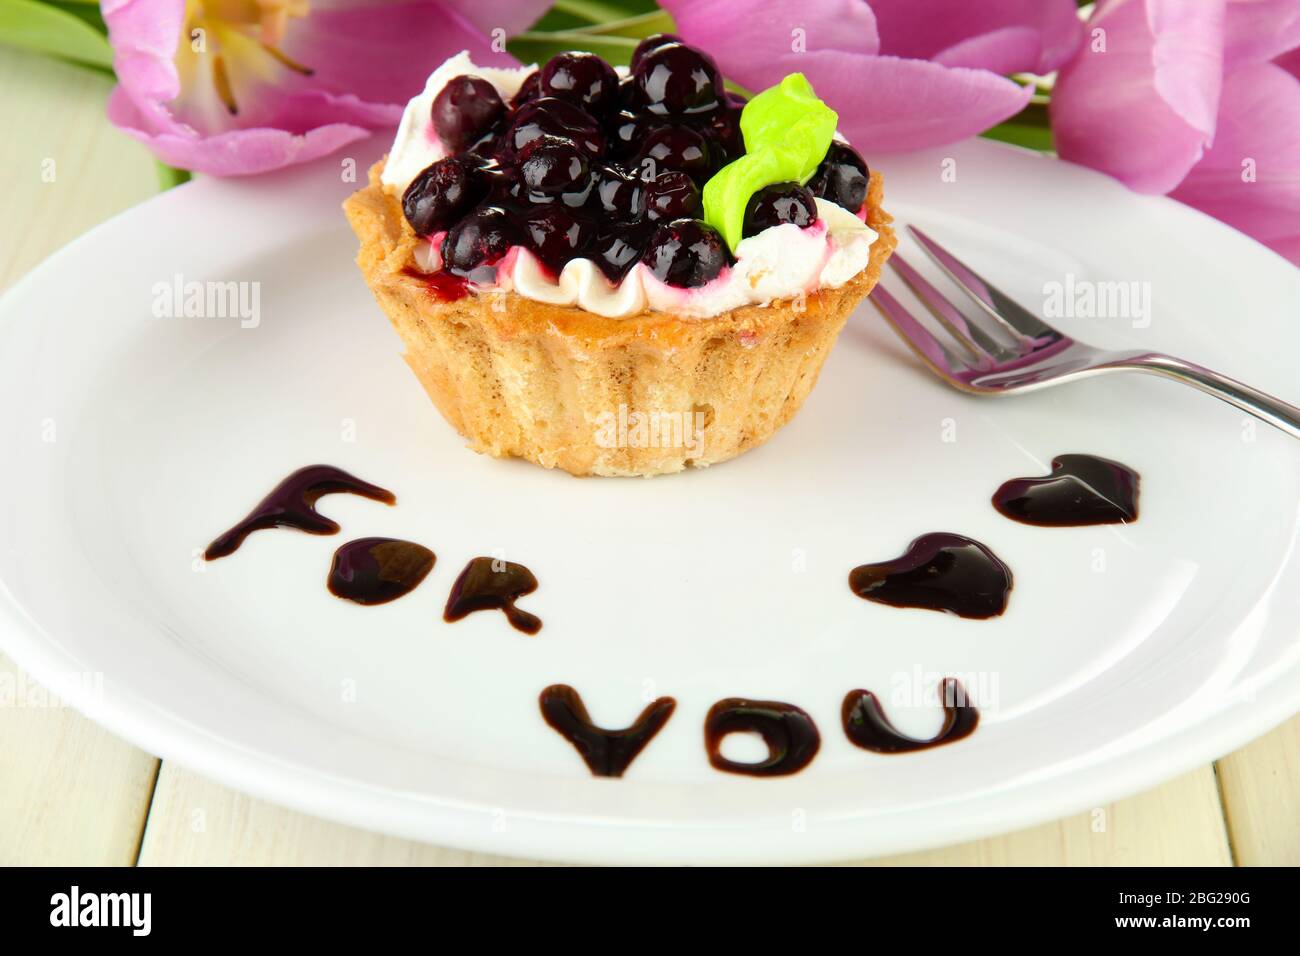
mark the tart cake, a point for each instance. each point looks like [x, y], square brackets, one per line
[618, 273]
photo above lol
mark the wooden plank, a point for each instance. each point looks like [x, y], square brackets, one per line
[1261, 798]
[197, 822]
[1177, 824]
[65, 168]
[70, 792]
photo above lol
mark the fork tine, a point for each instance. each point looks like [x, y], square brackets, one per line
[1027, 328]
[975, 339]
[922, 340]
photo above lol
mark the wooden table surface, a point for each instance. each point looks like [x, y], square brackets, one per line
[72, 793]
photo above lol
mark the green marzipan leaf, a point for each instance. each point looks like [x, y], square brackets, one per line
[787, 131]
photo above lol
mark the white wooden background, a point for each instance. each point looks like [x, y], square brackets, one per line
[71, 793]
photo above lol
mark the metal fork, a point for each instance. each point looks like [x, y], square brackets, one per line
[1009, 349]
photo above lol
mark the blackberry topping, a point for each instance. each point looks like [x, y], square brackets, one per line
[842, 177]
[724, 128]
[628, 130]
[582, 78]
[677, 80]
[548, 116]
[584, 164]
[529, 90]
[477, 242]
[619, 193]
[466, 109]
[556, 235]
[552, 166]
[675, 147]
[628, 96]
[650, 44]
[778, 204]
[505, 186]
[441, 194]
[672, 195]
[486, 148]
[615, 252]
[686, 253]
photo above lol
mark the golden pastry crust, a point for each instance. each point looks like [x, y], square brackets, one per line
[648, 394]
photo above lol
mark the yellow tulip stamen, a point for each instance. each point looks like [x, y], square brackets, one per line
[231, 25]
[221, 82]
[282, 57]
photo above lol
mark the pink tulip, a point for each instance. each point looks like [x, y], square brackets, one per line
[232, 87]
[903, 74]
[1200, 101]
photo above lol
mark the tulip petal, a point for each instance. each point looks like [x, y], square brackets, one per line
[1248, 178]
[144, 34]
[1187, 52]
[385, 53]
[1140, 100]
[889, 104]
[1258, 30]
[885, 103]
[1000, 51]
[233, 153]
[510, 16]
[756, 42]
[1005, 36]
[345, 68]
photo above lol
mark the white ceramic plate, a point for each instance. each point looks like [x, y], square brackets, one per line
[1127, 655]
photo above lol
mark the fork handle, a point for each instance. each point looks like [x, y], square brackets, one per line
[1263, 406]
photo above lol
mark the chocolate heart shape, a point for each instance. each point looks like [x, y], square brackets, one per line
[1081, 490]
[940, 572]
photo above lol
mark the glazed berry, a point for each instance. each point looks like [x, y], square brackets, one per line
[505, 186]
[724, 128]
[548, 116]
[441, 194]
[465, 110]
[529, 90]
[619, 193]
[650, 44]
[629, 97]
[842, 177]
[555, 235]
[487, 148]
[477, 241]
[628, 131]
[615, 252]
[582, 78]
[686, 253]
[552, 166]
[777, 205]
[677, 80]
[672, 195]
[675, 147]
